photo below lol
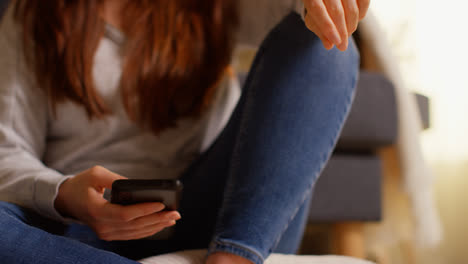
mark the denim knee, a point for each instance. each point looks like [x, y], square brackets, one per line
[294, 103]
[297, 52]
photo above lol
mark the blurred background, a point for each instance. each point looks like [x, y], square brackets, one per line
[429, 39]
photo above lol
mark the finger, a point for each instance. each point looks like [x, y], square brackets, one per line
[312, 27]
[121, 213]
[143, 222]
[337, 14]
[103, 178]
[136, 234]
[155, 218]
[317, 11]
[363, 6]
[351, 14]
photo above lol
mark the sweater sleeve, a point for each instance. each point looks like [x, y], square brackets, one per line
[24, 179]
[258, 17]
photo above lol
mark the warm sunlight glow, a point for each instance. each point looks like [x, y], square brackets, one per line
[431, 41]
[430, 38]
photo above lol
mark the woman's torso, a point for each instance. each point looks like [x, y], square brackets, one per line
[75, 143]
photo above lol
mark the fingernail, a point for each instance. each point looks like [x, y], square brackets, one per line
[174, 216]
[344, 45]
[327, 44]
[159, 207]
[336, 39]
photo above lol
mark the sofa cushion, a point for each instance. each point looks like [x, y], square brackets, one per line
[348, 190]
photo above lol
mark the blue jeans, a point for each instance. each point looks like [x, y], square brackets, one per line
[248, 194]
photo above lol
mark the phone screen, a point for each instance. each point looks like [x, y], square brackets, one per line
[127, 192]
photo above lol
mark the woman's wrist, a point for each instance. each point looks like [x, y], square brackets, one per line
[60, 200]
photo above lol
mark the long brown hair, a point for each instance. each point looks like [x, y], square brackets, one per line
[175, 53]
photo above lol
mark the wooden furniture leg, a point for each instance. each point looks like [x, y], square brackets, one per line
[348, 239]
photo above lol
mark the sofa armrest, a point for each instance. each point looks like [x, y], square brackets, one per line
[372, 121]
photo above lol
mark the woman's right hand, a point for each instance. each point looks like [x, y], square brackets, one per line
[333, 21]
[81, 197]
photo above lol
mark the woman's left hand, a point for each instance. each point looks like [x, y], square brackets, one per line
[333, 21]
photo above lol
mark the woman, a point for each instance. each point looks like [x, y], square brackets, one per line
[144, 90]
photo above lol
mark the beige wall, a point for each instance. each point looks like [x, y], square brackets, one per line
[451, 190]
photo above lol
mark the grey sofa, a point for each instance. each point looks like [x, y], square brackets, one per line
[349, 188]
[3, 5]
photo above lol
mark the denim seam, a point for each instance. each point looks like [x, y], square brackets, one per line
[232, 247]
[296, 210]
[344, 112]
[10, 212]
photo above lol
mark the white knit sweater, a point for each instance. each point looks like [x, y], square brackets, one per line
[38, 152]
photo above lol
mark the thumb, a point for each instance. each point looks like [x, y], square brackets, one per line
[103, 178]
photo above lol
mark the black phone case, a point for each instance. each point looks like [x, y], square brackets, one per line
[126, 192]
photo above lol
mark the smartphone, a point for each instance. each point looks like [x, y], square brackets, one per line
[168, 192]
